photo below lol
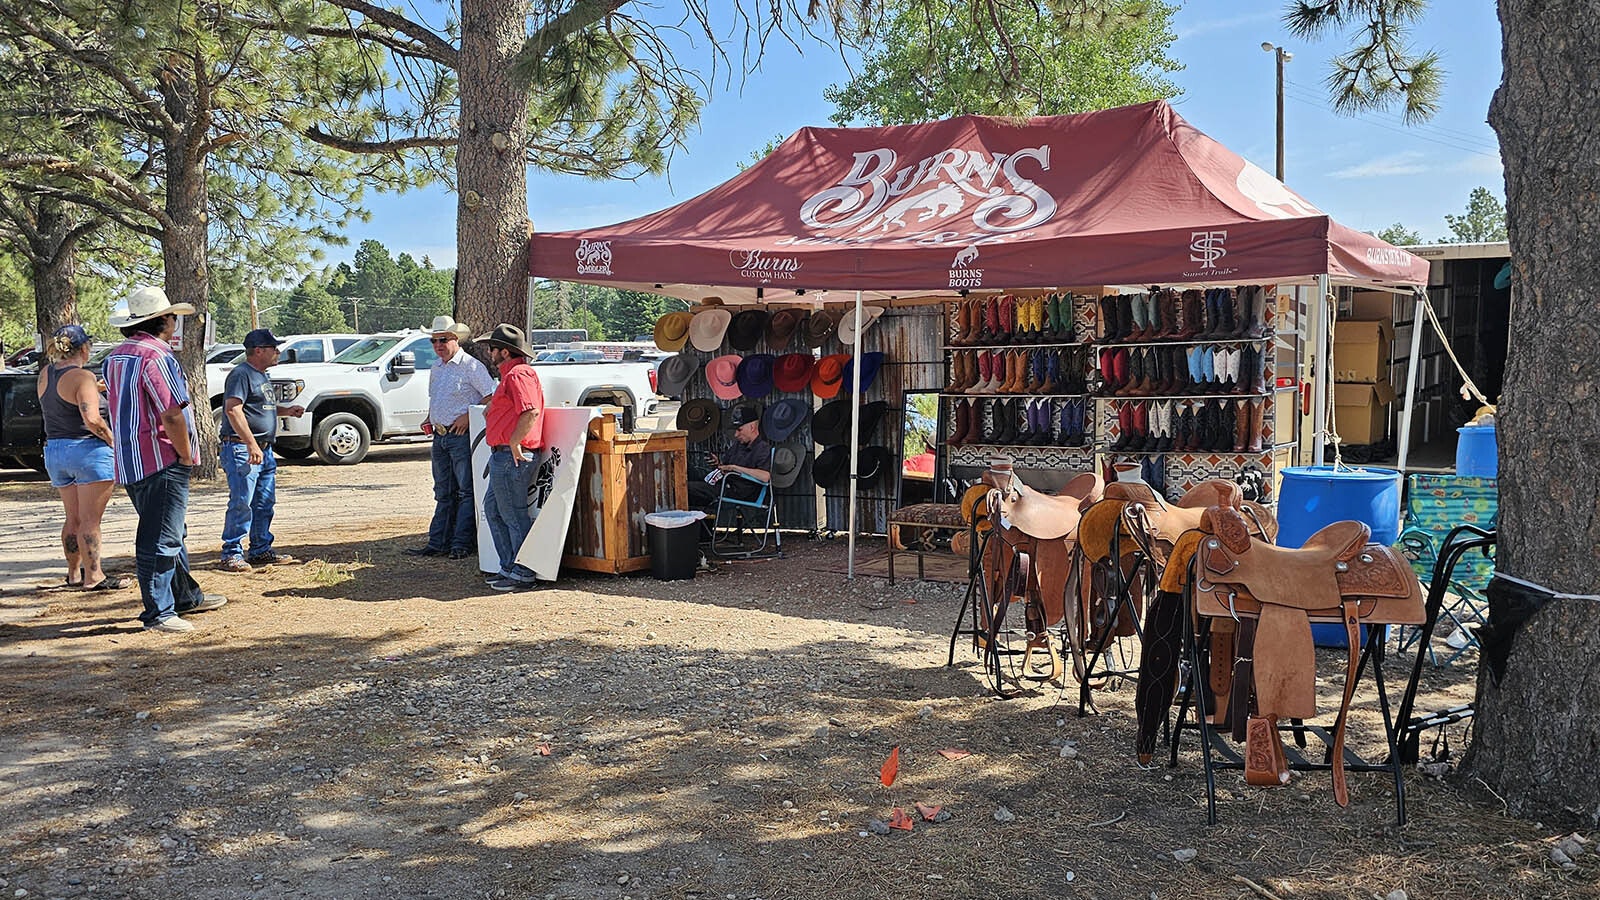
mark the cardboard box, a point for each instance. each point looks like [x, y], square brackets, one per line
[1361, 412]
[1361, 351]
[1370, 305]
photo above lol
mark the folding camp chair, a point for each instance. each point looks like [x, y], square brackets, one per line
[762, 508]
[1435, 506]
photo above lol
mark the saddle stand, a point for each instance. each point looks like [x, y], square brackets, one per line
[1202, 701]
[1091, 647]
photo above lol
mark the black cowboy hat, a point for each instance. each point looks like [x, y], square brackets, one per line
[675, 373]
[828, 469]
[821, 326]
[511, 338]
[833, 464]
[830, 425]
[872, 464]
[701, 418]
[746, 329]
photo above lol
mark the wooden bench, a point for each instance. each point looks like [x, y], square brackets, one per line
[930, 516]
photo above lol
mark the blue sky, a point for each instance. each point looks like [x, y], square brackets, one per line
[1367, 171]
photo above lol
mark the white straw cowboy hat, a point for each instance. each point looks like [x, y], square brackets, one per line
[707, 328]
[850, 328]
[446, 324]
[147, 303]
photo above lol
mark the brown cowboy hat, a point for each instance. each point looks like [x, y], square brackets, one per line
[511, 338]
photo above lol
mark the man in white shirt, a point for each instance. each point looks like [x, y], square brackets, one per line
[456, 382]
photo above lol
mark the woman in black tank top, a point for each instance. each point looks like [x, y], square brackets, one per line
[77, 453]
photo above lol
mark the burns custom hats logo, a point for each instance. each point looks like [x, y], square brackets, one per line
[763, 267]
[594, 257]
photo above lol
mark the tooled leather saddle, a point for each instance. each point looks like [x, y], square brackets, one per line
[1337, 576]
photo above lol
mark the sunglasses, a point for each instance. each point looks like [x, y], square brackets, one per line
[441, 340]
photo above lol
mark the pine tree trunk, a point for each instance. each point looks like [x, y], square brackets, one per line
[1537, 734]
[183, 253]
[55, 270]
[492, 181]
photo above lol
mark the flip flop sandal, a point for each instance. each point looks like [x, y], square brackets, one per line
[111, 583]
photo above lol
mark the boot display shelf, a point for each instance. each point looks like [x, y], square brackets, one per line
[1027, 345]
[1168, 341]
[1002, 396]
[1135, 398]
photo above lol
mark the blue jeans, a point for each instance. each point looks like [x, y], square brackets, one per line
[160, 558]
[252, 493]
[453, 527]
[508, 510]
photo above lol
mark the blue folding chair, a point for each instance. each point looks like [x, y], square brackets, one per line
[763, 507]
[1436, 507]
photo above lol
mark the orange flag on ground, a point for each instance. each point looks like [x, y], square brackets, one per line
[891, 767]
[929, 812]
[899, 819]
[952, 753]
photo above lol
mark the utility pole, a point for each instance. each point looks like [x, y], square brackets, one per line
[255, 314]
[355, 312]
[1283, 57]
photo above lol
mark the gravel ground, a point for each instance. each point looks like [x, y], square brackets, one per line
[363, 724]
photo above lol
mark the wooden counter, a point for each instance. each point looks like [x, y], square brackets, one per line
[624, 477]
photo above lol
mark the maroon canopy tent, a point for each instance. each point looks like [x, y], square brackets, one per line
[1127, 196]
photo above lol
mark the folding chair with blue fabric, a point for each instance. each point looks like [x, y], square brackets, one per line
[762, 507]
[1442, 513]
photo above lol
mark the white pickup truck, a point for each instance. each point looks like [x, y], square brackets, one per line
[377, 389]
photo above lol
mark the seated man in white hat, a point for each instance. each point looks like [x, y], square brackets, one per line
[456, 382]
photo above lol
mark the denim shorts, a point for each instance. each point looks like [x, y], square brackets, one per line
[73, 461]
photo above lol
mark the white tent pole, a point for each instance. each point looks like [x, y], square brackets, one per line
[1411, 379]
[1319, 381]
[855, 438]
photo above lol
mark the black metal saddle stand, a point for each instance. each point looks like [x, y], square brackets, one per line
[1121, 601]
[1217, 749]
[1455, 547]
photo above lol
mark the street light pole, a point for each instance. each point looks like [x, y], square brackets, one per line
[1283, 57]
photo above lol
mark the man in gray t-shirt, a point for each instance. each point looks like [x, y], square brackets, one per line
[249, 426]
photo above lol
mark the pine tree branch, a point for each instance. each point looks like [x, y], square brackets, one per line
[398, 145]
[436, 48]
[126, 191]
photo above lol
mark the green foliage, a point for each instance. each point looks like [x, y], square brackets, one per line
[310, 309]
[631, 314]
[16, 302]
[1381, 68]
[1483, 221]
[1399, 235]
[932, 59]
[566, 304]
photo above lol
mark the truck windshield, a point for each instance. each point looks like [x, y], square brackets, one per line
[366, 351]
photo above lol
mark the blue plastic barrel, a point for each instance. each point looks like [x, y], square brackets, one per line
[1313, 497]
[1477, 453]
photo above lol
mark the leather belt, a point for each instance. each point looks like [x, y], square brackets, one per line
[233, 439]
[496, 448]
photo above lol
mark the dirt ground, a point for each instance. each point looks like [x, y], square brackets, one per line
[364, 724]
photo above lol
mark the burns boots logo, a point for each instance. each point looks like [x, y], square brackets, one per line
[763, 267]
[594, 257]
[962, 274]
[1206, 248]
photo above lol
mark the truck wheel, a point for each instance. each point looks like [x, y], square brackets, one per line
[341, 439]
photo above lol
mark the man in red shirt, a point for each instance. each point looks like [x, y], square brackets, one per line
[513, 426]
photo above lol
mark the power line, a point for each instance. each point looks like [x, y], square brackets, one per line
[1415, 132]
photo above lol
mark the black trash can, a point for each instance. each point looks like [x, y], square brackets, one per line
[674, 537]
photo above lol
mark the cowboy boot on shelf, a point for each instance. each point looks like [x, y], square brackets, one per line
[1052, 318]
[974, 415]
[1042, 435]
[1041, 319]
[1156, 313]
[1019, 371]
[1050, 366]
[1033, 384]
[1256, 328]
[1124, 427]
[1124, 317]
[1194, 376]
[1013, 308]
[988, 320]
[1141, 322]
[991, 367]
[1064, 425]
[962, 423]
[1247, 298]
[1108, 320]
[957, 373]
[1161, 426]
[1178, 360]
[1230, 315]
[957, 324]
[1202, 426]
[1227, 366]
[1221, 428]
[1141, 427]
[1208, 369]
[1187, 307]
[1129, 386]
[987, 418]
[1169, 313]
[1022, 325]
[1012, 413]
[1025, 433]
[977, 329]
[1254, 371]
[1161, 383]
[1152, 381]
[1258, 408]
[1241, 425]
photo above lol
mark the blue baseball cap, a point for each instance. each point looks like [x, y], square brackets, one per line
[73, 335]
[261, 337]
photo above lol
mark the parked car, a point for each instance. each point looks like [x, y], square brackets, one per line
[21, 420]
[377, 390]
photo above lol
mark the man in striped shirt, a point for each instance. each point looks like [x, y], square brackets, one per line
[153, 446]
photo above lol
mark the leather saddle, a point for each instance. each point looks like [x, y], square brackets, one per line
[1338, 576]
[1029, 555]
